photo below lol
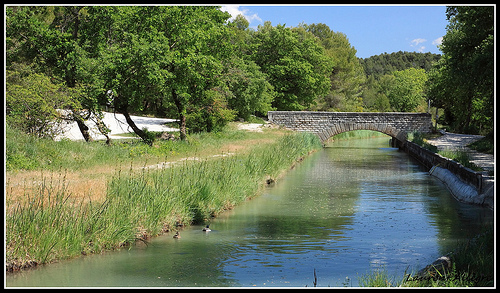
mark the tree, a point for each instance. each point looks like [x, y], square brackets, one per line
[463, 81]
[296, 65]
[199, 44]
[382, 64]
[346, 76]
[375, 93]
[169, 56]
[248, 89]
[407, 91]
[33, 100]
[48, 39]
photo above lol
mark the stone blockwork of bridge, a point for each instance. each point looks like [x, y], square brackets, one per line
[328, 124]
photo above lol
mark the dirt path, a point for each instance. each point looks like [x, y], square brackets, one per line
[455, 141]
[91, 184]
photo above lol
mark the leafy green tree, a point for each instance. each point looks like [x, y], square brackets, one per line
[33, 100]
[199, 44]
[463, 81]
[169, 56]
[408, 90]
[249, 91]
[387, 63]
[346, 76]
[296, 65]
[375, 93]
[48, 39]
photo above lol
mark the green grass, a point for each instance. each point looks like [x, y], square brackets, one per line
[142, 203]
[485, 145]
[25, 152]
[461, 157]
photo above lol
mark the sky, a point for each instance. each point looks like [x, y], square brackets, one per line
[371, 30]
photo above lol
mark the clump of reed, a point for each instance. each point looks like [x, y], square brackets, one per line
[50, 225]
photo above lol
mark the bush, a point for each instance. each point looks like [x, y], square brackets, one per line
[32, 101]
[209, 119]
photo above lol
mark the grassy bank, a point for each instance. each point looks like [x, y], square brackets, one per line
[51, 224]
[28, 153]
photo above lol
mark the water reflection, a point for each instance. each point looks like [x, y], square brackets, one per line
[349, 208]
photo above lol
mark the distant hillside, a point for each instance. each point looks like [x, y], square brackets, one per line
[379, 65]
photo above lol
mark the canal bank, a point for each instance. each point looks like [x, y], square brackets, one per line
[140, 204]
[353, 207]
[465, 184]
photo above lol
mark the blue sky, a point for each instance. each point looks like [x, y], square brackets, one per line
[372, 30]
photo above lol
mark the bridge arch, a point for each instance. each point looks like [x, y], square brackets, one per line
[328, 124]
[339, 128]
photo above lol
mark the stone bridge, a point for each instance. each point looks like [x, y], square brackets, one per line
[328, 124]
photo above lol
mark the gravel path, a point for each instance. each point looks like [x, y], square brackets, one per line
[455, 141]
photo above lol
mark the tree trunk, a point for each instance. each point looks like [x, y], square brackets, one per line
[182, 117]
[103, 129]
[136, 129]
[84, 129]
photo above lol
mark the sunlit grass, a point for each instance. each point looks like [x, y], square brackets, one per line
[50, 224]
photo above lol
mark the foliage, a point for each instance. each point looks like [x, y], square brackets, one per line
[210, 118]
[463, 81]
[485, 144]
[379, 65]
[49, 39]
[380, 70]
[461, 157]
[32, 100]
[191, 63]
[419, 138]
[295, 65]
[407, 91]
[375, 93]
[249, 91]
[346, 76]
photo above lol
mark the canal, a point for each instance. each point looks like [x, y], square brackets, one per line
[351, 208]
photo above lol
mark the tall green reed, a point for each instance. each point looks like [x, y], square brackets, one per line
[143, 203]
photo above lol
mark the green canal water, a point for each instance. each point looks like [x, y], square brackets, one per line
[351, 208]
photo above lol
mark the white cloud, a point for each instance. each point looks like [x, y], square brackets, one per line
[235, 10]
[416, 44]
[438, 41]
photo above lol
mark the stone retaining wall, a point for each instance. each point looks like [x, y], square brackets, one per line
[430, 159]
[465, 184]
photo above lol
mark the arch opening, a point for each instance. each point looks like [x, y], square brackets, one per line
[384, 128]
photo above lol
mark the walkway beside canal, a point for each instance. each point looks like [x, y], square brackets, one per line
[455, 141]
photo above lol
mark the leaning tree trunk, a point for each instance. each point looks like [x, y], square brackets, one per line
[84, 129]
[103, 129]
[143, 135]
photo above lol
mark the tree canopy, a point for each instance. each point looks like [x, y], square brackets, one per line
[463, 81]
[193, 64]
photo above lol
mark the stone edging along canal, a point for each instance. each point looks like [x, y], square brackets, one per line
[465, 185]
